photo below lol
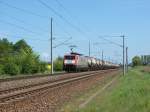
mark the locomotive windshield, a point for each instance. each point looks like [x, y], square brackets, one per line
[70, 57]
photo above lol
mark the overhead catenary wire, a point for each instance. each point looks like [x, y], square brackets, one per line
[24, 22]
[46, 17]
[69, 14]
[30, 13]
[23, 10]
[37, 15]
[42, 16]
[63, 29]
[122, 46]
[62, 43]
[111, 42]
[3, 35]
[63, 18]
[20, 27]
[60, 4]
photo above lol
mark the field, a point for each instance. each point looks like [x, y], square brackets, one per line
[129, 93]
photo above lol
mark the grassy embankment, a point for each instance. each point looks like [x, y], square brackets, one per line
[130, 93]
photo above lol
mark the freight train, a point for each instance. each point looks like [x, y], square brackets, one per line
[75, 62]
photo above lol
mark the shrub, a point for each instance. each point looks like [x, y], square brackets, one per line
[42, 67]
[58, 64]
[11, 68]
[26, 68]
[1, 70]
[35, 68]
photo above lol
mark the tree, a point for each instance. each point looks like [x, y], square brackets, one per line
[21, 45]
[136, 61]
[6, 47]
[58, 64]
[19, 58]
[30, 63]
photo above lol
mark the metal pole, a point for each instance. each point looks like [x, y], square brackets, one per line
[126, 59]
[51, 46]
[123, 56]
[102, 57]
[89, 49]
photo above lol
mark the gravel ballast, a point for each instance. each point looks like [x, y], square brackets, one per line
[52, 99]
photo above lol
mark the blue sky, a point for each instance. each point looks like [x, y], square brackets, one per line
[93, 17]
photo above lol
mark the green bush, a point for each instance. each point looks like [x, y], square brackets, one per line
[42, 67]
[1, 70]
[26, 68]
[11, 68]
[35, 68]
[58, 64]
[31, 64]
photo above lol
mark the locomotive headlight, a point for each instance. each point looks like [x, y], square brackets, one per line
[65, 61]
[73, 61]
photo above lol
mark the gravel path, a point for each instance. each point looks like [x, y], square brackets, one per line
[25, 82]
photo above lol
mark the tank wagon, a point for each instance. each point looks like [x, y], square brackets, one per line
[75, 62]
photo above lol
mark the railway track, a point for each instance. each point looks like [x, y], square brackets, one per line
[41, 83]
[22, 92]
[29, 77]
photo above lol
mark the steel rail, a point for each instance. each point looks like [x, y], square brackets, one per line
[41, 83]
[21, 92]
[28, 77]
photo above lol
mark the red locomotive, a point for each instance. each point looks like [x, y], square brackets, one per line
[75, 62]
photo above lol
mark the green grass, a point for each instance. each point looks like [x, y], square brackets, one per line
[131, 93]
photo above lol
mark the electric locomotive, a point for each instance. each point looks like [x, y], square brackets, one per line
[75, 62]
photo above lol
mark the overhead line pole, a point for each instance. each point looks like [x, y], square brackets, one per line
[89, 49]
[51, 45]
[126, 59]
[123, 54]
[123, 47]
[102, 57]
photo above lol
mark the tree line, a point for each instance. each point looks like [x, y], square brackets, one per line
[136, 61]
[19, 58]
